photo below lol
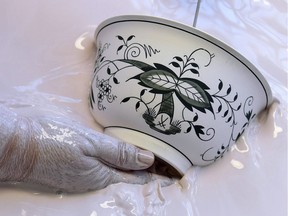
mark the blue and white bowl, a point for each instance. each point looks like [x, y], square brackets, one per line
[172, 89]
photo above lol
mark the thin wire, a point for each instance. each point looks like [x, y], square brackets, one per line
[196, 13]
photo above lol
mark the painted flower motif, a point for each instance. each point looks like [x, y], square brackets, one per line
[100, 96]
[104, 87]
[104, 91]
[167, 84]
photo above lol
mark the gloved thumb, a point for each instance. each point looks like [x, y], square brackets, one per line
[119, 154]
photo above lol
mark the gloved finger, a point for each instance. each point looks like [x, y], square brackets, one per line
[141, 177]
[102, 176]
[99, 176]
[119, 154]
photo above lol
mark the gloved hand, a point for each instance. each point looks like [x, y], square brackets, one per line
[66, 156]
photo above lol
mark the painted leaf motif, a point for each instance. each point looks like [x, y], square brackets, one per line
[220, 85]
[159, 80]
[102, 58]
[235, 97]
[115, 80]
[120, 38]
[125, 100]
[195, 118]
[119, 48]
[131, 37]
[178, 58]
[199, 129]
[229, 119]
[141, 65]
[188, 129]
[220, 108]
[238, 108]
[192, 93]
[137, 105]
[194, 71]
[142, 92]
[175, 64]
[228, 90]
[195, 65]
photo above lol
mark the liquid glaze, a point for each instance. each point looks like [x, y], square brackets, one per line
[46, 63]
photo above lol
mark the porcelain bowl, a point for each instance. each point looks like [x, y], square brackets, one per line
[172, 89]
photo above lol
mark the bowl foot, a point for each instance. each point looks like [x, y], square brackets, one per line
[158, 147]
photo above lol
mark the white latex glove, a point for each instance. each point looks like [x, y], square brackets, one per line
[66, 156]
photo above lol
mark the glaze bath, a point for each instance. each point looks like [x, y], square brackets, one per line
[47, 55]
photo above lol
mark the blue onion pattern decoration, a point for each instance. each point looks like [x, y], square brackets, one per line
[180, 80]
[162, 80]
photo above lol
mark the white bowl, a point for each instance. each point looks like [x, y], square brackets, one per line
[172, 89]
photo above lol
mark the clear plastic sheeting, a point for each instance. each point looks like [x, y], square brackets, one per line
[46, 62]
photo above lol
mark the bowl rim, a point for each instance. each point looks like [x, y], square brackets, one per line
[196, 32]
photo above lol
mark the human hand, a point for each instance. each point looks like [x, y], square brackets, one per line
[67, 156]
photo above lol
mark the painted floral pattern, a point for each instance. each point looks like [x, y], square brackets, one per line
[178, 81]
